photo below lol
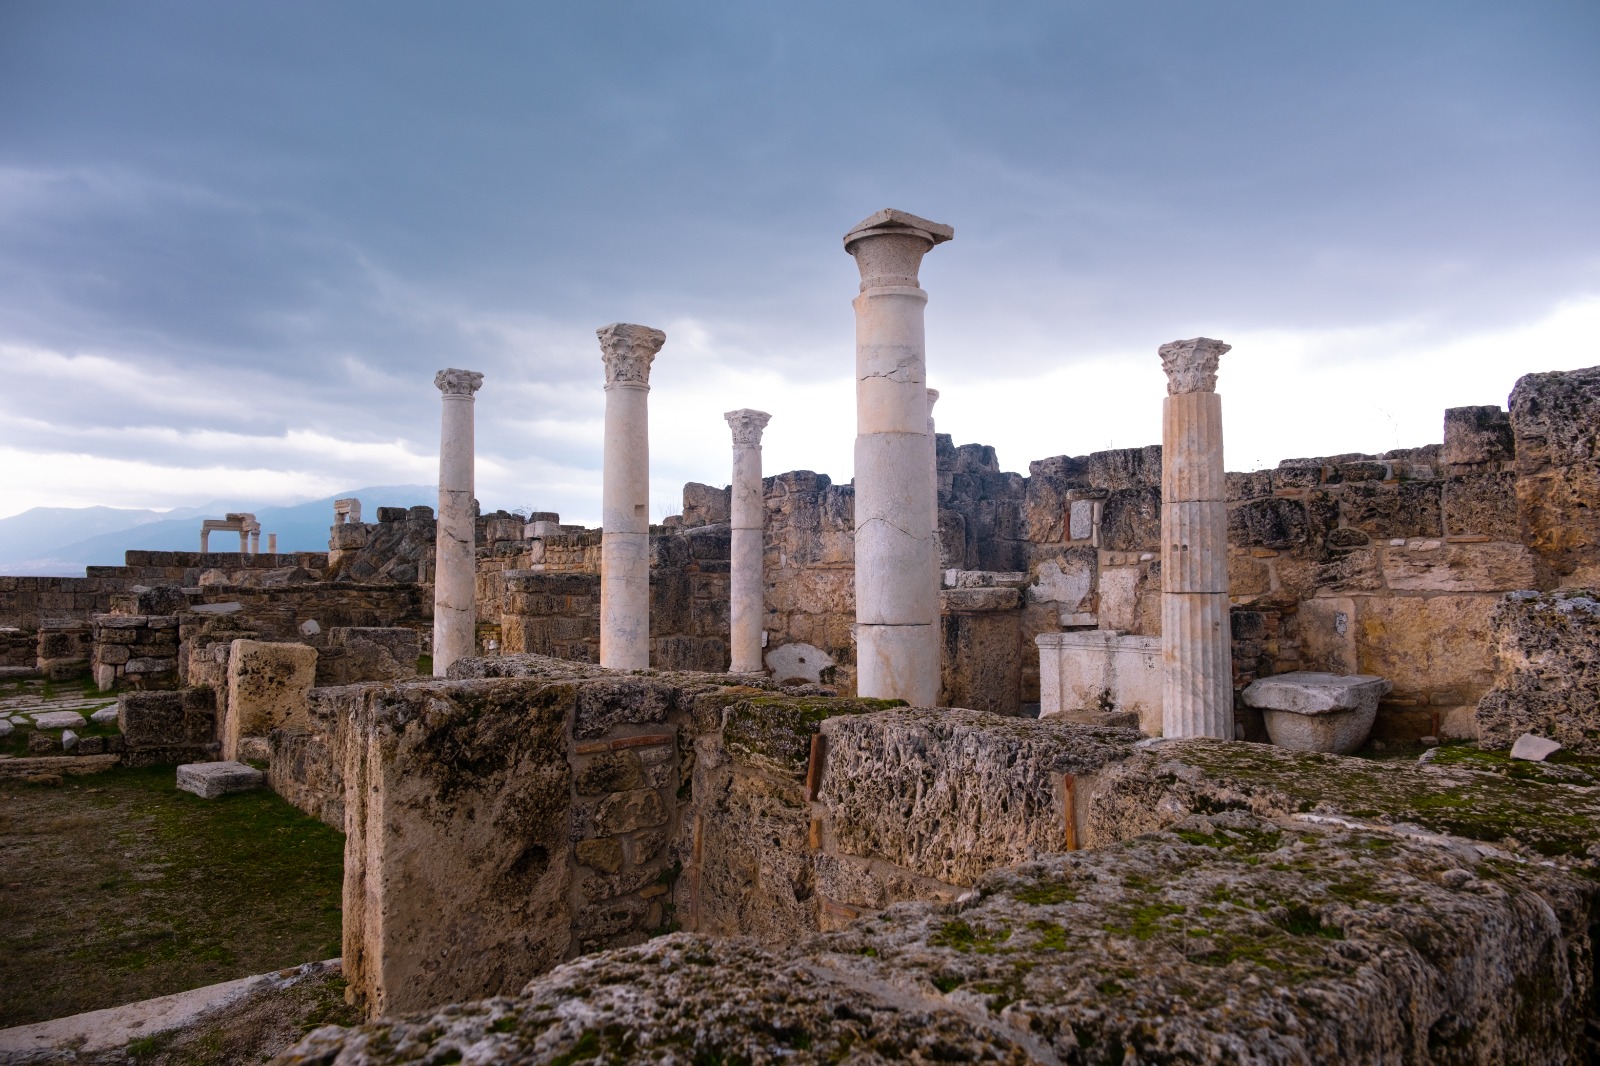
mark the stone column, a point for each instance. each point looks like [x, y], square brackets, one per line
[748, 520]
[627, 351]
[244, 541]
[272, 544]
[933, 472]
[897, 595]
[205, 540]
[455, 555]
[1196, 649]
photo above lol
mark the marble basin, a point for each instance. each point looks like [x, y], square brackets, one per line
[1318, 712]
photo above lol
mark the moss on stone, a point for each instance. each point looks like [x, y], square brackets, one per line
[776, 731]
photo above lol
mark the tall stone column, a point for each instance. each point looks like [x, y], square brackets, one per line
[1196, 649]
[897, 592]
[933, 472]
[748, 519]
[454, 557]
[625, 496]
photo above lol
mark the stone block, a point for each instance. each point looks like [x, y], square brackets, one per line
[1384, 509]
[1481, 505]
[1317, 712]
[1547, 673]
[607, 772]
[798, 661]
[982, 662]
[948, 794]
[604, 855]
[974, 600]
[1432, 566]
[1130, 519]
[59, 720]
[1426, 646]
[268, 685]
[208, 780]
[1476, 435]
[1271, 522]
[161, 720]
[625, 812]
[1100, 671]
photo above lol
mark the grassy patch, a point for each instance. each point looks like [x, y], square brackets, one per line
[119, 887]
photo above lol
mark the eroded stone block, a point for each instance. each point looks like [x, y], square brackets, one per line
[208, 780]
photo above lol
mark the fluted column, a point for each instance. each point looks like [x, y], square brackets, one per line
[747, 520]
[897, 592]
[454, 555]
[1196, 650]
[627, 351]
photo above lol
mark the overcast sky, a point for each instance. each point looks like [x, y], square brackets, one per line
[237, 240]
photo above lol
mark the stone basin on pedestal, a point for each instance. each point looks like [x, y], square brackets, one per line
[1318, 712]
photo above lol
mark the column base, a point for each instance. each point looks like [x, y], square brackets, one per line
[898, 663]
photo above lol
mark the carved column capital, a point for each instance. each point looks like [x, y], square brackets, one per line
[1191, 365]
[453, 382]
[627, 351]
[933, 398]
[888, 247]
[747, 425]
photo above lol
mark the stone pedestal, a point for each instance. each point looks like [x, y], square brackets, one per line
[897, 592]
[748, 516]
[627, 351]
[454, 568]
[1196, 641]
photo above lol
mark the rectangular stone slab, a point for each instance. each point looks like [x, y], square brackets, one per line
[1315, 693]
[208, 780]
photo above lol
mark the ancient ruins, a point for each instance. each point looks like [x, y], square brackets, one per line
[1128, 759]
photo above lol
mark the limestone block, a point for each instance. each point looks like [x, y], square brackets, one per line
[1481, 505]
[1439, 645]
[1088, 673]
[444, 778]
[267, 689]
[1474, 435]
[625, 812]
[1533, 749]
[208, 780]
[982, 660]
[1430, 566]
[1273, 522]
[1066, 581]
[979, 600]
[1547, 673]
[1401, 509]
[1555, 418]
[604, 855]
[789, 662]
[948, 794]
[59, 720]
[374, 653]
[1130, 520]
[167, 720]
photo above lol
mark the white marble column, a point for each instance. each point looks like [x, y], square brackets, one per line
[933, 472]
[897, 592]
[1196, 638]
[627, 351]
[455, 556]
[747, 521]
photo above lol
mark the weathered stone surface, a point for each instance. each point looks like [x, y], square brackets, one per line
[208, 780]
[949, 794]
[1227, 939]
[443, 778]
[1400, 509]
[1172, 779]
[371, 653]
[1533, 749]
[1547, 677]
[1310, 711]
[268, 686]
[1434, 566]
[1100, 671]
[59, 720]
[980, 599]
[162, 720]
[1439, 645]
[604, 855]
[798, 661]
[1482, 505]
[1477, 435]
[1555, 419]
[1273, 522]
[774, 732]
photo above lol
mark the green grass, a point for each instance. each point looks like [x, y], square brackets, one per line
[119, 887]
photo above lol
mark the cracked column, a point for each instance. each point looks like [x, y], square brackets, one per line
[1196, 649]
[454, 557]
[748, 516]
[627, 351]
[897, 591]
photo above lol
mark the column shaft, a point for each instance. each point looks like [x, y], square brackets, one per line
[897, 594]
[747, 518]
[455, 541]
[625, 497]
[1196, 638]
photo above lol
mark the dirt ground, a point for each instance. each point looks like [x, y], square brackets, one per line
[117, 887]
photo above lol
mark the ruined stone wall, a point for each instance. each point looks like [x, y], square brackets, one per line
[31, 602]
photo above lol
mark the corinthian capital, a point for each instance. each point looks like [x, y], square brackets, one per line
[747, 425]
[1191, 365]
[628, 351]
[453, 382]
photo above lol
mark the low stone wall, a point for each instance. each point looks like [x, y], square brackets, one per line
[136, 651]
[29, 602]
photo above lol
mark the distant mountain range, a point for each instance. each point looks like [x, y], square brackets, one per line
[61, 541]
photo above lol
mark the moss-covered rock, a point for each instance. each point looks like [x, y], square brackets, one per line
[775, 732]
